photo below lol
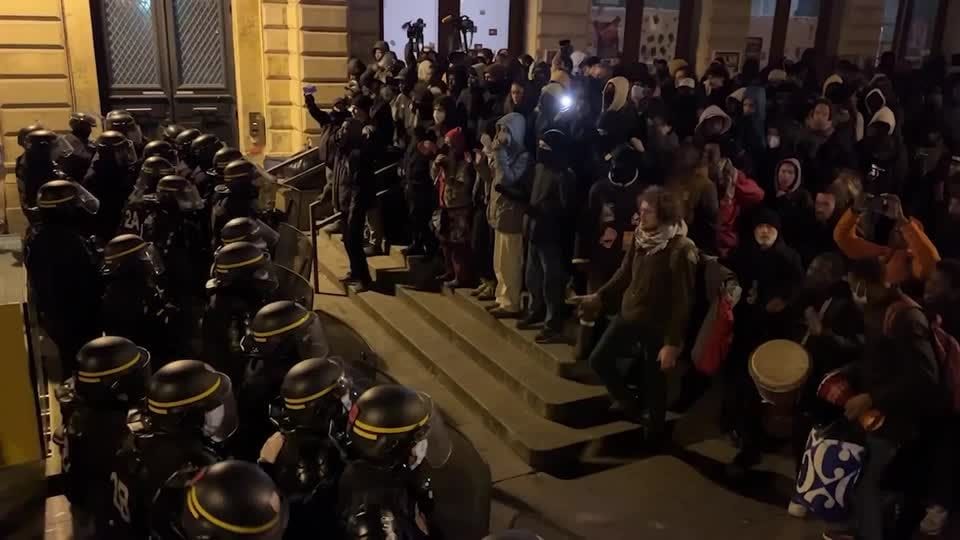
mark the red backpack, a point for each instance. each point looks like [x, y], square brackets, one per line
[945, 347]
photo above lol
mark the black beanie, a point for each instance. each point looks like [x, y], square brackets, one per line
[766, 216]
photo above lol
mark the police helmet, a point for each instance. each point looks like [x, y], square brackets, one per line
[153, 169]
[224, 156]
[177, 190]
[242, 262]
[387, 422]
[244, 229]
[240, 170]
[190, 396]
[26, 130]
[313, 393]
[184, 140]
[41, 144]
[58, 195]
[119, 119]
[233, 500]
[373, 522]
[170, 133]
[161, 149]
[80, 119]
[129, 252]
[284, 327]
[204, 148]
[111, 139]
[112, 369]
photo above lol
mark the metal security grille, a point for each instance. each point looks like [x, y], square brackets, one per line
[133, 58]
[199, 47]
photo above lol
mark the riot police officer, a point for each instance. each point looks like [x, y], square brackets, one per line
[143, 201]
[238, 196]
[77, 149]
[233, 500]
[63, 268]
[111, 179]
[36, 168]
[301, 457]
[251, 230]
[160, 149]
[182, 143]
[390, 431]
[221, 159]
[122, 121]
[170, 133]
[111, 378]
[281, 334]
[134, 305]
[178, 228]
[242, 281]
[203, 149]
[186, 423]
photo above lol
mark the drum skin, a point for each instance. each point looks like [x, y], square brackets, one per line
[779, 368]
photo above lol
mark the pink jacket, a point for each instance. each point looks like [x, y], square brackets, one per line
[745, 195]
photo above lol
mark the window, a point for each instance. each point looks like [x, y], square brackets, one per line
[760, 30]
[492, 18]
[920, 31]
[888, 26]
[607, 18]
[658, 37]
[801, 28]
[398, 12]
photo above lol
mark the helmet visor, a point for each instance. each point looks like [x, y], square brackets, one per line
[439, 448]
[86, 200]
[220, 422]
[187, 198]
[147, 256]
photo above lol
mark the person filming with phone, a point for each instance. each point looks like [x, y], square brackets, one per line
[909, 254]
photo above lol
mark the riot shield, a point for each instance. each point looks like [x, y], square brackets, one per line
[293, 287]
[298, 163]
[295, 251]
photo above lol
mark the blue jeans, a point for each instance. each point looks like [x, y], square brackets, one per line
[547, 282]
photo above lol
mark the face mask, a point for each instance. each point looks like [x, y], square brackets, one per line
[439, 116]
[773, 141]
[419, 452]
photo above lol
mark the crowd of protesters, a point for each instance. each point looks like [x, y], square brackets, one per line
[834, 199]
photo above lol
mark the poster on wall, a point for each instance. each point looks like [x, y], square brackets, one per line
[730, 58]
[658, 40]
[606, 21]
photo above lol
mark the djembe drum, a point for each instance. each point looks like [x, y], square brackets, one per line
[779, 368]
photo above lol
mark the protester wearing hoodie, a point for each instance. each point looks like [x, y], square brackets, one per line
[618, 124]
[714, 136]
[550, 210]
[793, 202]
[750, 128]
[770, 273]
[510, 164]
[826, 149]
[909, 255]
[883, 156]
[737, 194]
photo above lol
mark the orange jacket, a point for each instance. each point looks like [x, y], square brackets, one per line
[918, 261]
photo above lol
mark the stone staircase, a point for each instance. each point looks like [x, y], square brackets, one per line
[497, 372]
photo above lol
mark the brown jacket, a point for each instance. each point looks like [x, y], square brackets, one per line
[656, 290]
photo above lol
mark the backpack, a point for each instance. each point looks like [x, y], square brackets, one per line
[946, 348]
[711, 325]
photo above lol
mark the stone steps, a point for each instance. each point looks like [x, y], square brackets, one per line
[550, 396]
[542, 443]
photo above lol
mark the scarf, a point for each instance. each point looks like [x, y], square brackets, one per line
[652, 242]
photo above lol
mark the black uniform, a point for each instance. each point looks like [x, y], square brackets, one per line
[77, 149]
[354, 193]
[63, 268]
[111, 179]
[237, 196]
[36, 167]
[111, 376]
[142, 203]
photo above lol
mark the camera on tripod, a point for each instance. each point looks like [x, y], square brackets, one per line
[414, 29]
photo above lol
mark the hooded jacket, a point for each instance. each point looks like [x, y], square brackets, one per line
[765, 274]
[552, 193]
[605, 227]
[795, 206]
[884, 159]
[618, 122]
[510, 165]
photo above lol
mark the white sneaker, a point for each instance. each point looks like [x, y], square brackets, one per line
[935, 520]
[797, 510]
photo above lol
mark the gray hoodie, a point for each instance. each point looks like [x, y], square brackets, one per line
[509, 166]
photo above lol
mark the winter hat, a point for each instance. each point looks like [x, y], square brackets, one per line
[776, 75]
[715, 112]
[458, 143]
[886, 116]
[557, 140]
[676, 64]
[766, 216]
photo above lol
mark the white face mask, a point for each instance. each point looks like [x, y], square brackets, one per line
[212, 420]
[439, 116]
[773, 141]
[637, 92]
[419, 452]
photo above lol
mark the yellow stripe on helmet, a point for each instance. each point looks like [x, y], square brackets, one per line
[93, 376]
[193, 504]
[154, 405]
[262, 336]
[388, 431]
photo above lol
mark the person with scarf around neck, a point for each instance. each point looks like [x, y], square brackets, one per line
[792, 202]
[655, 288]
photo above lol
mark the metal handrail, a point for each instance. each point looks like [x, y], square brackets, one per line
[293, 158]
[316, 225]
